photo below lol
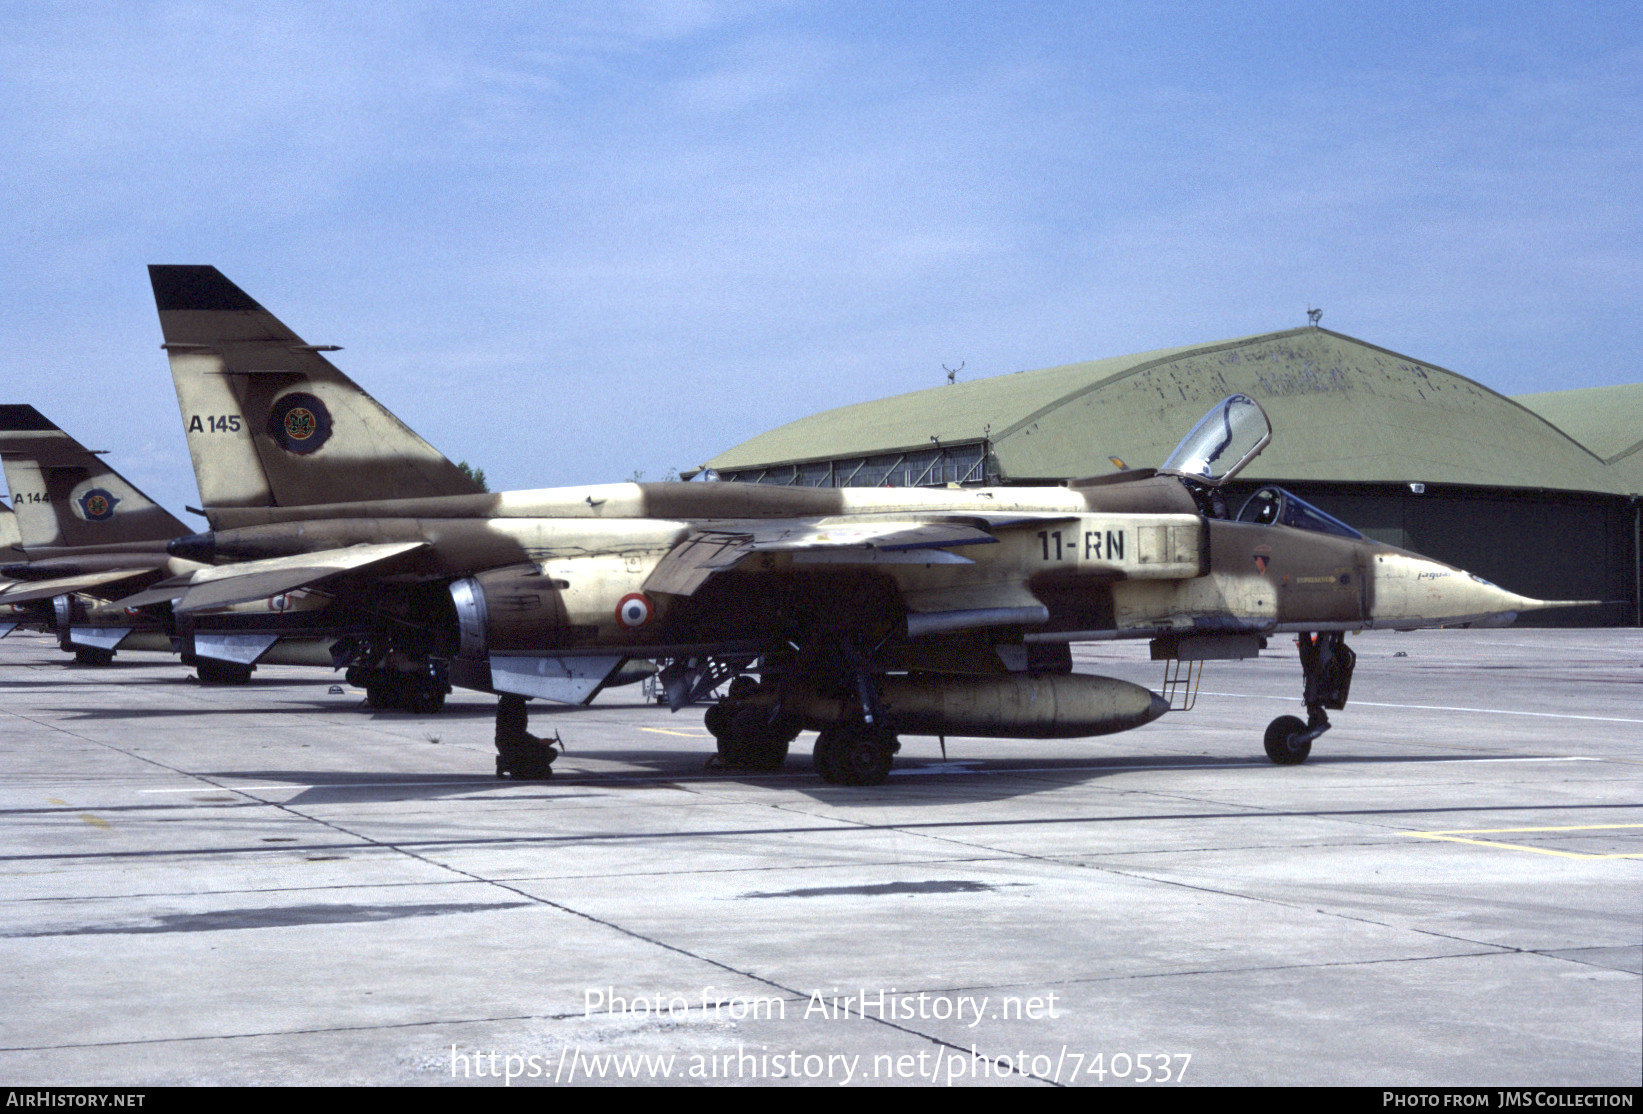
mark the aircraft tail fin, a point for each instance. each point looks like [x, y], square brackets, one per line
[270, 421]
[65, 495]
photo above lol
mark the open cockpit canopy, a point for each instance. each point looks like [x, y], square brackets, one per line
[1224, 440]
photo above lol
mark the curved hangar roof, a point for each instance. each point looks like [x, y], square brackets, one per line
[1607, 420]
[1341, 409]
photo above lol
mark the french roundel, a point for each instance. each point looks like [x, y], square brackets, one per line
[634, 610]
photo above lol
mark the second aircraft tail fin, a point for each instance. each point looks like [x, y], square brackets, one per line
[65, 495]
[270, 421]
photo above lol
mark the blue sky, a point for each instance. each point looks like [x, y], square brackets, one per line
[573, 241]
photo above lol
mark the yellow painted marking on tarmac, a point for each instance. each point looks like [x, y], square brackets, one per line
[55, 801]
[95, 821]
[1504, 831]
[681, 734]
[1456, 835]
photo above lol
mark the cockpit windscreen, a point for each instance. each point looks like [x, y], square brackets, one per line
[1273, 506]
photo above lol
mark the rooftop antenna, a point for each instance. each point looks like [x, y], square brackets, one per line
[1313, 316]
[952, 372]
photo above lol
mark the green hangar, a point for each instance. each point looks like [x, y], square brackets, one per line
[1539, 493]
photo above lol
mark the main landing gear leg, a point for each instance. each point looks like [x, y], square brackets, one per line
[519, 754]
[858, 752]
[421, 690]
[749, 736]
[1326, 666]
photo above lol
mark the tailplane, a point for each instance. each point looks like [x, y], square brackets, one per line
[270, 421]
[64, 495]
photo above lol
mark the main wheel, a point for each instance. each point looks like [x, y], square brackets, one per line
[1281, 744]
[752, 742]
[92, 656]
[717, 722]
[824, 757]
[863, 755]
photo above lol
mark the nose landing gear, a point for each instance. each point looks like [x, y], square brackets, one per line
[1326, 666]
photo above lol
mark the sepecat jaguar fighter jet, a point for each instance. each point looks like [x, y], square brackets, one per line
[85, 536]
[861, 613]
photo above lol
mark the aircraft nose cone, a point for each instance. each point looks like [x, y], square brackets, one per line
[1410, 591]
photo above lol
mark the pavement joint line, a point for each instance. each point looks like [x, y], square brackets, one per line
[1491, 950]
[320, 887]
[840, 825]
[107, 746]
[315, 1031]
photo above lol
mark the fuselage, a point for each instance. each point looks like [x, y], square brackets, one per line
[1131, 558]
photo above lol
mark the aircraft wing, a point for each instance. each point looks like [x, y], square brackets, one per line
[956, 606]
[27, 591]
[710, 551]
[225, 585]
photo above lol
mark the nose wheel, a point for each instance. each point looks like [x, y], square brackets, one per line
[1287, 741]
[1326, 667]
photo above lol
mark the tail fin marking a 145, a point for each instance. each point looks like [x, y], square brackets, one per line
[270, 421]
